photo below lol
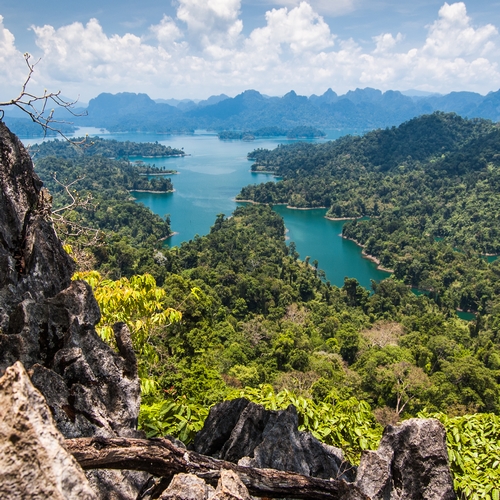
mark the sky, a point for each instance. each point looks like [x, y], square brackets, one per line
[192, 49]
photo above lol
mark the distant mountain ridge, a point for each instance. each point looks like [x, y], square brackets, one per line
[360, 110]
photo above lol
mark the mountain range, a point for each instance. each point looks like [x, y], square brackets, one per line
[358, 110]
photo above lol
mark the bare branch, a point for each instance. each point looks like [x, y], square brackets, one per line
[69, 228]
[37, 106]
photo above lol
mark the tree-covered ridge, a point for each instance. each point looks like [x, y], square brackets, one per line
[301, 132]
[421, 139]
[107, 148]
[430, 189]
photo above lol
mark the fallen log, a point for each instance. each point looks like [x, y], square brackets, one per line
[162, 458]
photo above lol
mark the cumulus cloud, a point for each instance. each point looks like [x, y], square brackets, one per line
[325, 7]
[453, 36]
[301, 29]
[167, 33]
[12, 63]
[84, 52]
[211, 22]
[202, 51]
[386, 42]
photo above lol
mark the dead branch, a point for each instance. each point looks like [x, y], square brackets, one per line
[63, 225]
[39, 107]
[162, 458]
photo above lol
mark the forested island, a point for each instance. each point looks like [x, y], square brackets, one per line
[302, 132]
[236, 313]
[107, 148]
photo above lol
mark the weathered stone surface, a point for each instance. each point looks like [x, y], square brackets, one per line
[33, 461]
[187, 487]
[32, 260]
[248, 432]
[411, 463]
[218, 426]
[230, 487]
[117, 484]
[191, 487]
[268, 439]
[48, 322]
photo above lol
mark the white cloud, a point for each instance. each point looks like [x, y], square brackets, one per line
[167, 33]
[77, 52]
[211, 22]
[453, 36]
[325, 7]
[386, 42]
[301, 29]
[14, 69]
[203, 51]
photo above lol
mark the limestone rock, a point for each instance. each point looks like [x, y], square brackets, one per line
[411, 463]
[230, 487]
[32, 260]
[187, 487]
[33, 461]
[48, 322]
[218, 426]
[191, 487]
[268, 439]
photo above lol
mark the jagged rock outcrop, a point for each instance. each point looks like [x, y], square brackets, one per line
[33, 461]
[241, 431]
[411, 463]
[48, 322]
[32, 261]
[230, 487]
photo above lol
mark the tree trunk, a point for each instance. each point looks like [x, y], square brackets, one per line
[161, 458]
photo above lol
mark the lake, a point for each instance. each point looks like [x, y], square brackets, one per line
[213, 174]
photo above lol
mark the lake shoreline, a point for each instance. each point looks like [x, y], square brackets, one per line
[165, 238]
[341, 218]
[151, 191]
[268, 172]
[159, 174]
[365, 255]
[278, 205]
[304, 208]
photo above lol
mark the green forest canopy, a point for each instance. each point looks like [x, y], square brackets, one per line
[262, 318]
[429, 188]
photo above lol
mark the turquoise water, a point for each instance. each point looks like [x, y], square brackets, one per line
[319, 238]
[213, 174]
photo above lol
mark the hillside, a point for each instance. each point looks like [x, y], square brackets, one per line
[238, 315]
[430, 191]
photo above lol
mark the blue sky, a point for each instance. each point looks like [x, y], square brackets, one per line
[197, 48]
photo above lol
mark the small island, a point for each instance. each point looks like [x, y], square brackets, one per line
[301, 132]
[108, 159]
